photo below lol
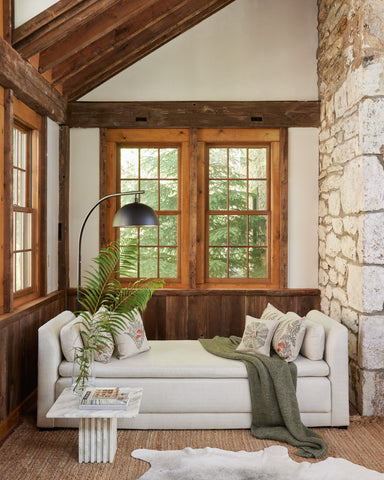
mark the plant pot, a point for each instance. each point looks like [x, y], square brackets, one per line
[83, 371]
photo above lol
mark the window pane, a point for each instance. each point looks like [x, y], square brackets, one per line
[168, 230]
[148, 261]
[237, 195]
[257, 197]
[258, 263]
[149, 162]
[148, 236]
[129, 162]
[18, 233]
[18, 273]
[218, 233]
[217, 163]
[237, 263]
[217, 262]
[238, 230]
[258, 230]
[168, 194]
[237, 163]
[257, 162]
[150, 197]
[168, 162]
[218, 195]
[128, 186]
[128, 234]
[21, 186]
[27, 269]
[168, 262]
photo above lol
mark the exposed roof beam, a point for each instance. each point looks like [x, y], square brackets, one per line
[91, 31]
[29, 86]
[56, 23]
[144, 43]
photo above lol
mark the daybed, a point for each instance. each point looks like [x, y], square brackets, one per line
[185, 387]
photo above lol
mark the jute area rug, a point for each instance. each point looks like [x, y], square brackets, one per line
[30, 454]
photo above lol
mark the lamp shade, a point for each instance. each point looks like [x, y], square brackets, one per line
[135, 214]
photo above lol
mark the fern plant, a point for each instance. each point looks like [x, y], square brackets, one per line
[103, 299]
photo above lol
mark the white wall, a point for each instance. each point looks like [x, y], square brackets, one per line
[250, 50]
[303, 153]
[83, 194]
[52, 205]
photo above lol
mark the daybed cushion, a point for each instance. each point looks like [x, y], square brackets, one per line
[70, 338]
[185, 359]
[314, 341]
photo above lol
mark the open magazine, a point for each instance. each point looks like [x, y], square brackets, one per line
[105, 398]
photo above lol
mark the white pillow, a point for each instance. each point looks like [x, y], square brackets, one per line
[70, 338]
[289, 334]
[314, 341]
[257, 336]
[288, 337]
[132, 339]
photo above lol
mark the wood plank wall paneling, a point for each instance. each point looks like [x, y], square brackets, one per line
[191, 314]
[18, 355]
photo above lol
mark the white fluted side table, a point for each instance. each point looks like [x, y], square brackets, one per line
[97, 428]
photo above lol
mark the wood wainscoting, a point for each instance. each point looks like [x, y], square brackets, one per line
[192, 314]
[18, 355]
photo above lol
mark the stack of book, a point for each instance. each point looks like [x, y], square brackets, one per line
[105, 398]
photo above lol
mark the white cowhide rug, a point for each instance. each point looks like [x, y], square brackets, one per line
[273, 463]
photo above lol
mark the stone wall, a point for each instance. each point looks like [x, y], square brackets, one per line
[351, 185]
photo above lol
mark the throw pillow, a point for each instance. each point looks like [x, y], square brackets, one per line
[257, 336]
[314, 341]
[289, 336]
[272, 313]
[104, 352]
[132, 339]
[70, 338]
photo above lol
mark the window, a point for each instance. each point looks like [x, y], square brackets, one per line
[23, 212]
[24, 266]
[220, 203]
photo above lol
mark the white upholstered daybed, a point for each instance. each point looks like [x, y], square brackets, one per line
[185, 387]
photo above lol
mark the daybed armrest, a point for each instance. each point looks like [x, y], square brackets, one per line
[336, 356]
[49, 359]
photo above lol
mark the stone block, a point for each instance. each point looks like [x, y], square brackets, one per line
[341, 265]
[348, 247]
[373, 183]
[373, 288]
[371, 127]
[337, 225]
[334, 203]
[350, 319]
[352, 187]
[371, 238]
[335, 310]
[372, 392]
[350, 225]
[333, 245]
[371, 342]
[352, 345]
[355, 287]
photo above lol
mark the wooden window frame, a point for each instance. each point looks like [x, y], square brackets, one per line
[193, 194]
[18, 114]
[160, 137]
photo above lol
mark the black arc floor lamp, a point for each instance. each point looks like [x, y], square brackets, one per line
[133, 214]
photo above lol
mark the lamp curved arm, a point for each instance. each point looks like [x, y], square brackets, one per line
[120, 194]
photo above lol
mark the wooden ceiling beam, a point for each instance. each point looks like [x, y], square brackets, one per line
[121, 37]
[91, 31]
[29, 86]
[56, 23]
[180, 20]
[197, 114]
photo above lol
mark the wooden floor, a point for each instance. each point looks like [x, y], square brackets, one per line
[32, 454]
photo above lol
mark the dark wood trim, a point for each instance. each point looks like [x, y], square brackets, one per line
[283, 207]
[42, 207]
[193, 162]
[8, 19]
[245, 114]
[29, 86]
[8, 201]
[63, 226]
[103, 233]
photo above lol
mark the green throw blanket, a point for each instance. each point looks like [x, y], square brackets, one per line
[275, 412]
